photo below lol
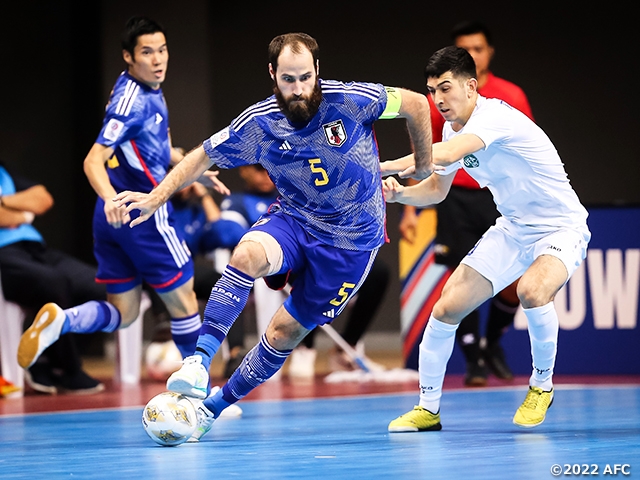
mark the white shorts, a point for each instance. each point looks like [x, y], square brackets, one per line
[506, 251]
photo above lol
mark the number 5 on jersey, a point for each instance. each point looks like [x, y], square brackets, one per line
[343, 294]
[315, 165]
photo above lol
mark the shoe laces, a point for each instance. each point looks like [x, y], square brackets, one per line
[532, 399]
[417, 409]
[205, 416]
[192, 359]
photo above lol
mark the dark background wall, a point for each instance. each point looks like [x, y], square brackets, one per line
[579, 67]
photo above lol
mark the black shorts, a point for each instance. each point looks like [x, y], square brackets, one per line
[463, 217]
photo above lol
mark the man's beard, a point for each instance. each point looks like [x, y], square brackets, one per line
[299, 109]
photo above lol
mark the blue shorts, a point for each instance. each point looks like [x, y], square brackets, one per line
[324, 277]
[152, 251]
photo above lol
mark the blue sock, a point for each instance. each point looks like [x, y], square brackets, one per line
[207, 344]
[93, 316]
[227, 300]
[185, 333]
[257, 367]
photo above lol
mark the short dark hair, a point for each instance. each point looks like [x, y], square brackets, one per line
[135, 27]
[470, 28]
[294, 41]
[450, 59]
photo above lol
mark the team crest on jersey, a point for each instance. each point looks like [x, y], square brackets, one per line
[470, 161]
[335, 133]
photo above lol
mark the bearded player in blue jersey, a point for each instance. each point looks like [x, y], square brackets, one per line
[315, 138]
[132, 151]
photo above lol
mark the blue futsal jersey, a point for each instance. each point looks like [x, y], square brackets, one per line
[136, 126]
[328, 172]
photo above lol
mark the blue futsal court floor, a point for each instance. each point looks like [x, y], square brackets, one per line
[592, 428]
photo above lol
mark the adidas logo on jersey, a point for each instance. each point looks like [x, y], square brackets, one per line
[285, 146]
[330, 314]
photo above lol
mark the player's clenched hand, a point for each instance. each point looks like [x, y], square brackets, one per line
[392, 189]
[146, 203]
[116, 216]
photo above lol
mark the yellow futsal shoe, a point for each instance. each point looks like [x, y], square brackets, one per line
[534, 408]
[417, 420]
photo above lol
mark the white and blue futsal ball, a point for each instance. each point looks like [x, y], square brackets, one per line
[169, 419]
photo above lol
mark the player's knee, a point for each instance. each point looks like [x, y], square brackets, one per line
[532, 295]
[445, 312]
[250, 257]
[284, 332]
[258, 254]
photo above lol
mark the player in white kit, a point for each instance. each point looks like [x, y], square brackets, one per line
[541, 235]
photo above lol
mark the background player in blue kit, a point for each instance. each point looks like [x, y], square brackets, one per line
[315, 139]
[135, 145]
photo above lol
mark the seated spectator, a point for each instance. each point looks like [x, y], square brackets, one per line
[34, 274]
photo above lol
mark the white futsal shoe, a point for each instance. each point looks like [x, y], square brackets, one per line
[205, 421]
[206, 418]
[191, 380]
[43, 332]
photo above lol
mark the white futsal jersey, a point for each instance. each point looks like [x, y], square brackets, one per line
[520, 166]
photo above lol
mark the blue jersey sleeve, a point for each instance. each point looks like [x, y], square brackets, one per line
[124, 116]
[117, 129]
[241, 143]
[367, 99]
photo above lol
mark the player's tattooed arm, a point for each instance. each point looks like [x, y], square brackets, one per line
[415, 108]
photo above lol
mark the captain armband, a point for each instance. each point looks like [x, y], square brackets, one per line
[394, 102]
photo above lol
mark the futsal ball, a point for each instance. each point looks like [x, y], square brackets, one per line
[169, 419]
[162, 359]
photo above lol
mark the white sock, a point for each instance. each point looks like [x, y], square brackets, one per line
[543, 334]
[435, 350]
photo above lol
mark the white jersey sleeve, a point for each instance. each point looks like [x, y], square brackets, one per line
[520, 166]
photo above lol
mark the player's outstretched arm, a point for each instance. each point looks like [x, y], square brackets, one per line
[208, 178]
[184, 173]
[446, 153]
[429, 191]
[393, 167]
[415, 109]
